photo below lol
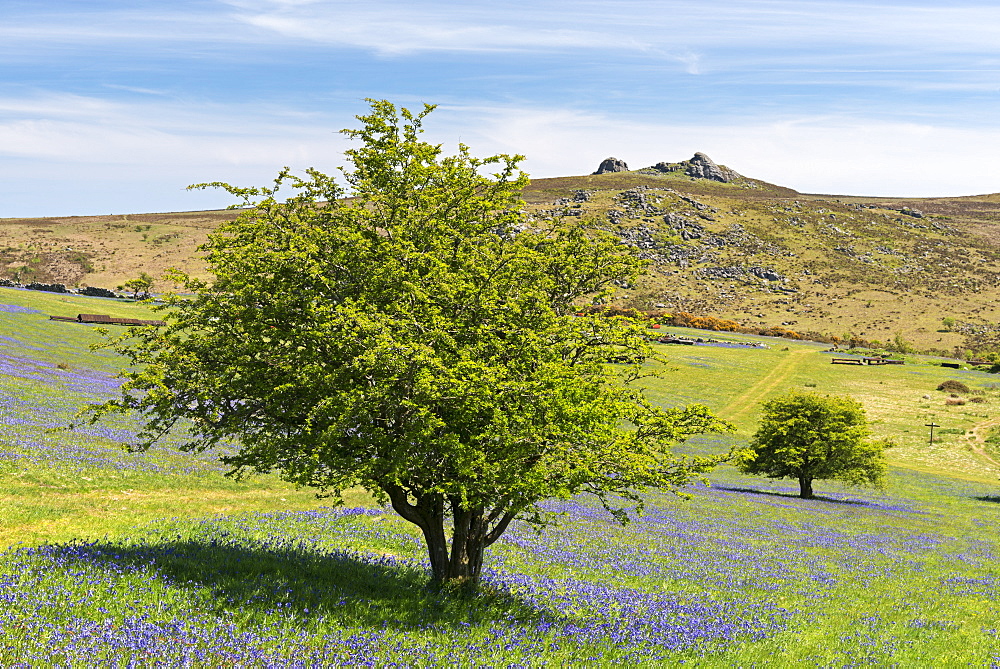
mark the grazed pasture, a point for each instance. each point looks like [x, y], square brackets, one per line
[123, 559]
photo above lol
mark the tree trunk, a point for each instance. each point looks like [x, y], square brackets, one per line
[427, 514]
[805, 487]
[437, 549]
[467, 547]
[461, 565]
[475, 529]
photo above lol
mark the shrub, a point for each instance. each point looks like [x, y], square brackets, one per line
[953, 386]
[684, 319]
[978, 399]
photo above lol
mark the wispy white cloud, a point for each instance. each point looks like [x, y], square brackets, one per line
[97, 26]
[397, 35]
[136, 89]
[676, 28]
[684, 32]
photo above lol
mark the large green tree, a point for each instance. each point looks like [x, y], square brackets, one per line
[808, 436]
[410, 334]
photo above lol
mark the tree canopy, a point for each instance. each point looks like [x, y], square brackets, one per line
[808, 436]
[413, 334]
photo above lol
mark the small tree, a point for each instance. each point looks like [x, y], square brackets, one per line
[807, 436]
[140, 287]
[416, 340]
[900, 344]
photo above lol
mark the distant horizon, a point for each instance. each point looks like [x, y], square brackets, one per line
[559, 176]
[113, 107]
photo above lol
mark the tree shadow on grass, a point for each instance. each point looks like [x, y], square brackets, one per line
[995, 499]
[791, 495]
[354, 589]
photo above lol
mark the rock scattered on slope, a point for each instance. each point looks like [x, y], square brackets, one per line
[687, 229]
[642, 236]
[740, 272]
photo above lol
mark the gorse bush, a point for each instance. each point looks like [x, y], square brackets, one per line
[685, 320]
[953, 386]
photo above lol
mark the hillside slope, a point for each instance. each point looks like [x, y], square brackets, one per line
[742, 249]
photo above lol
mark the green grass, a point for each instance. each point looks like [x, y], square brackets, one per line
[68, 304]
[734, 381]
[992, 441]
[80, 484]
[904, 579]
[159, 558]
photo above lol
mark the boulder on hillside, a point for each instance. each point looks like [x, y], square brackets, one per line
[702, 167]
[612, 165]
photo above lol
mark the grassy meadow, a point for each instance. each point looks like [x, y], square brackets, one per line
[157, 559]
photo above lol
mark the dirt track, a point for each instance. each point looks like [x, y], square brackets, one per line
[977, 437]
[746, 401]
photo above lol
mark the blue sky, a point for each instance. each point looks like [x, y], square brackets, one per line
[114, 107]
